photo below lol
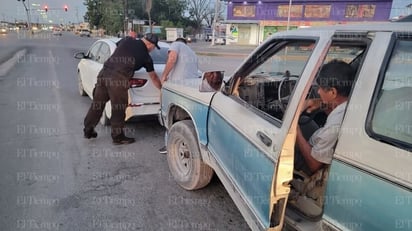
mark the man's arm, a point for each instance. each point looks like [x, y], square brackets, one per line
[155, 79]
[171, 60]
[306, 149]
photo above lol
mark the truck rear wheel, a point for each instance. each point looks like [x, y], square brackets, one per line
[184, 159]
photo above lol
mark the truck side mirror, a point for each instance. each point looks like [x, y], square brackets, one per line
[211, 81]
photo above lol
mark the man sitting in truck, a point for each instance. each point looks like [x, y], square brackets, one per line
[335, 83]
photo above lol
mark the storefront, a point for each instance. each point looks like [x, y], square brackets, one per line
[252, 22]
[242, 32]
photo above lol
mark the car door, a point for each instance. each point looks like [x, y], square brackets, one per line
[92, 66]
[251, 136]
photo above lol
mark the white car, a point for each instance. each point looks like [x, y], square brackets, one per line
[84, 33]
[57, 31]
[3, 30]
[143, 95]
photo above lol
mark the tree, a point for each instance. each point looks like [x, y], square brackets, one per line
[112, 18]
[198, 11]
[202, 12]
[93, 14]
[110, 14]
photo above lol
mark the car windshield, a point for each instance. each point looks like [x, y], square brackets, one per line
[159, 56]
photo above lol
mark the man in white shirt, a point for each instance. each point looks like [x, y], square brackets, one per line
[182, 63]
[335, 81]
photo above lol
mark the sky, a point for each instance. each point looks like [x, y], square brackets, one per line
[399, 8]
[11, 10]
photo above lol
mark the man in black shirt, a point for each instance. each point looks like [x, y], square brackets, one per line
[113, 84]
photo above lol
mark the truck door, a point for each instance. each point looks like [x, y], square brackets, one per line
[251, 128]
[370, 184]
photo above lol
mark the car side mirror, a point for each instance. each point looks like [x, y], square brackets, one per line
[211, 81]
[80, 55]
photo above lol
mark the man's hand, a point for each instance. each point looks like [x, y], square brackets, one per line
[155, 80]
[312, 105]
[170, 63]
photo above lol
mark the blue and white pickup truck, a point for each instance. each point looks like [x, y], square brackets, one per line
[245, 131]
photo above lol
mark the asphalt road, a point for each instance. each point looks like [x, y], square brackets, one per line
[51, 178]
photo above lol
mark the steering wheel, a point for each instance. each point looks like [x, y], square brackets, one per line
[281, 105]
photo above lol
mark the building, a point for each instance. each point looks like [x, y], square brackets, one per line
[251, 22]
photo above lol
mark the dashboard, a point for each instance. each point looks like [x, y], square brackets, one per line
[267, 93]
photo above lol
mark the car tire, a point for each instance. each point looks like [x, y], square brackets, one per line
[184, 159]
[82, 92]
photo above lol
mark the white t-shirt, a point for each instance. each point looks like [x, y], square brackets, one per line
[186, 65]
[324, 139]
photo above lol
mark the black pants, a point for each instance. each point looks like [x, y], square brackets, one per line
[307, 128]
[111, 86]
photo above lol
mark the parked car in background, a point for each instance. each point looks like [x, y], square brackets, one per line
[245, 131]
[143, 95]
[84, 33]
[3, 30]
[208, 37]
[57, 31]
[220, 40]
[191, 38]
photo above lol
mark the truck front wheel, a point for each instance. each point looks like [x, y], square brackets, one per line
[184, 159]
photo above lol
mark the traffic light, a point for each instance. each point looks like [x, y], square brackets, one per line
[65, 8]
[46, 8]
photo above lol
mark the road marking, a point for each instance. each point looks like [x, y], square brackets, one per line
[6, 66]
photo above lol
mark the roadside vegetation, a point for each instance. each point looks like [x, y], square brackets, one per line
[191, 15]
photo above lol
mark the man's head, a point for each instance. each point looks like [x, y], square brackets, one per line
[181, 40]
[214, 78]
[151, 41]
[335, 81]
[132, 34]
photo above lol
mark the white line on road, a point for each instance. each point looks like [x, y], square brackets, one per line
[6, 66]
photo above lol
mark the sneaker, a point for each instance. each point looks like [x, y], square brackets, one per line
[163, 150]
[122, 139]
[89, 133]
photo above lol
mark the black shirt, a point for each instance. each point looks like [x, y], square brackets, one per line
[129, 56]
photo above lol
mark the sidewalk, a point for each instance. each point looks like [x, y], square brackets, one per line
[206, 49]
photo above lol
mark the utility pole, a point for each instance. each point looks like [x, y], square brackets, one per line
[215, 18]
[27, 13]
[148, 9]
[125, 19]
[290, 8]
[77, 14]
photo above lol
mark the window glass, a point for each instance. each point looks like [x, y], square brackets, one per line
[159, 56]
[104, 53]
[360, 11]
[392, 114]
[317, 11]
[295, 11]
[244, 11]
[93, 53]
[269, 86]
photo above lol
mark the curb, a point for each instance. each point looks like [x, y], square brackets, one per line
[222, 54]
[7, 65]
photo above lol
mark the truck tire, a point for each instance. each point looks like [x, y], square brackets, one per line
[184, 159]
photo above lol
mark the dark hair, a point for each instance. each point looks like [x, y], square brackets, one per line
[337, 74]
[181, 40]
